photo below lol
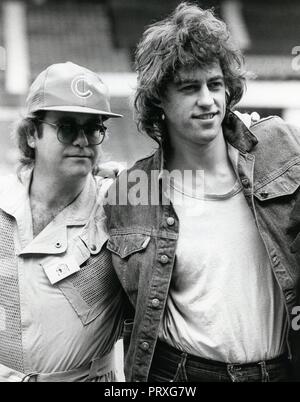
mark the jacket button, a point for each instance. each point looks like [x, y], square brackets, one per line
[170, 220]
[245, 182]
[62, 269]
[93, 247]
[58, 245]
[145, 345]
[155, 303]
[164, 259]
[264, 194]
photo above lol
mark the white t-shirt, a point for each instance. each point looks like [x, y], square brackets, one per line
[224, 302]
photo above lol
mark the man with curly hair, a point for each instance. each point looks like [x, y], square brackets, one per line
[208, 268]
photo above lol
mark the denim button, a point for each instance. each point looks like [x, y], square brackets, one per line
[264, 194]
[245, 182]
[155, 303]
[170, 220]
[145, 345]
[164, 259]
[93, 247]
[58, 245]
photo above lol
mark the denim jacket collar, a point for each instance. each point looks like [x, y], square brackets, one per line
[235, 132]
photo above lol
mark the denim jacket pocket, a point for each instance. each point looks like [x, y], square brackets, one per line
[131, 258]
[126, 244]
[284, 184]
[277, 201]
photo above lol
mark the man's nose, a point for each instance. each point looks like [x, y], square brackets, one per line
[205, 98]
[81, 139]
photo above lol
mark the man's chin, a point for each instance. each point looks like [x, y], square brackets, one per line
[207, 136]
[79, 172]
[80, 163]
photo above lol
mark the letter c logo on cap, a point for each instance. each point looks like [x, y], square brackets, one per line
[75, 87]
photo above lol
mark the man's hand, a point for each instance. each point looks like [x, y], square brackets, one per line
[248, 119]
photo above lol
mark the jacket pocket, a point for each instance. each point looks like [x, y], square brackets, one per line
[132, 256]
[285, 184]
[279, 205]
[126, 244]
[93, 287]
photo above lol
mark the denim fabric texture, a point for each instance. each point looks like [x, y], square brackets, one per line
[171, 365]
[143, 242]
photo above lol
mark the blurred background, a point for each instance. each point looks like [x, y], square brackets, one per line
[102, 35]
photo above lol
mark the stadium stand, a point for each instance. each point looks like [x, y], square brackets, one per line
[273, 26]
[102, 35]
[76, 31]
[125, 33]
[274, 30]
[266, 22]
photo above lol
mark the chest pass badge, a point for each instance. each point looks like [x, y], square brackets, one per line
[58, 271]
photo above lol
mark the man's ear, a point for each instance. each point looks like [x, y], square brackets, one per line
[31, 136]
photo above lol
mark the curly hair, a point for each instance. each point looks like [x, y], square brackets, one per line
[189, 37]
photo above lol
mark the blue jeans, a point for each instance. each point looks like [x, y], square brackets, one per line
[170, 364]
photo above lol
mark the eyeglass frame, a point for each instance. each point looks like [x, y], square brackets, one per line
[79, 128]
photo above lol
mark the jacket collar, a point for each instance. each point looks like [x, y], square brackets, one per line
[14, 191]
[14, 194]
[86, 211]
[235, 132]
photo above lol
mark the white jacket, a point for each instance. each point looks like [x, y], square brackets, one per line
[64, 330]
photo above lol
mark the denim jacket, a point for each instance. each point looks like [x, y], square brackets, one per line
[143, 237]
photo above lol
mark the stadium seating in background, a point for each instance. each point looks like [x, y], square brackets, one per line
[129, 18]
[102, 35]
[76, 31]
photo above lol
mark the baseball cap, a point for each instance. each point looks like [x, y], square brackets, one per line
[68, 87]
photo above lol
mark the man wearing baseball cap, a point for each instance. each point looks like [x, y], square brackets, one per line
[60, 302]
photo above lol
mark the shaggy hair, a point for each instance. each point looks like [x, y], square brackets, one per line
[24, 128]
[190, 37]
